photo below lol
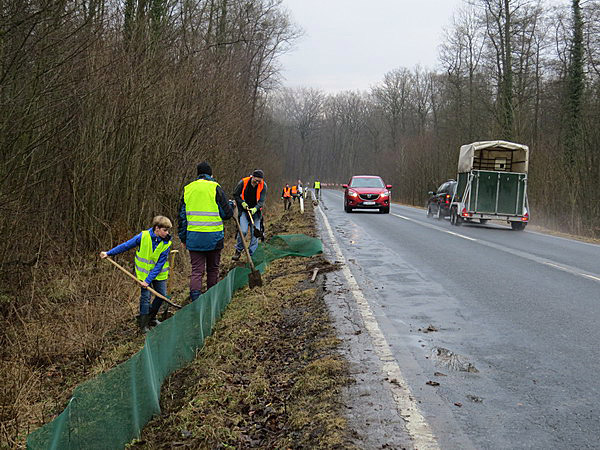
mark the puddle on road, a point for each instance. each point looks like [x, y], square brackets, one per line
[444, 357]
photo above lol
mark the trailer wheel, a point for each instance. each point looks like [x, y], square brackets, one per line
[518, 226]
[429, 212]
[483, 221]
[454, 219]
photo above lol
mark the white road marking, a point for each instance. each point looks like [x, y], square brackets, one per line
[434, 227]
[563, 267]
[416, 425]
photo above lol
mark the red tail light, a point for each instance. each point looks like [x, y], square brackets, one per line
[525, 217]
[465, 213]
[447, 199]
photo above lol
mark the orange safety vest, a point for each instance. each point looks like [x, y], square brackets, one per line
[259, 188]
[286, 192]
[294, 190]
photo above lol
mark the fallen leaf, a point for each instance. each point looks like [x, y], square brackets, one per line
[432, 383]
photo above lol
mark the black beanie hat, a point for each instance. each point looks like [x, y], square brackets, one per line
[258, 173]
[204, 168]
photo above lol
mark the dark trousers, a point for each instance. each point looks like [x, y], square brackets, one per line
[287, 203]
[204, 262]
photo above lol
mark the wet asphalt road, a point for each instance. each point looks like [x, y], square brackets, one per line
[517, 317]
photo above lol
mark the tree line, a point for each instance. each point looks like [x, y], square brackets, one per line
[107, 107]
[517, 70]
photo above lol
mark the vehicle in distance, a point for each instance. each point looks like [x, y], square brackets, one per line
[492, 184]
[439, 202]
[367, 192]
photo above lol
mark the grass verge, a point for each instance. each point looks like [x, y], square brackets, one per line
[269, 376]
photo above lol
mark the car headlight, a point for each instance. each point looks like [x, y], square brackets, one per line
[352, 194]
[384, 194]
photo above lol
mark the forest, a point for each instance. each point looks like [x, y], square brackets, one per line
[515, 70]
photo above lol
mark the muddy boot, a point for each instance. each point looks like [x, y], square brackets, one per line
[143, 322]
[153, 321]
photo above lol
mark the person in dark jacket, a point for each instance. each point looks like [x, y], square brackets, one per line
[204, 207]
[250, 195]
[151, 266]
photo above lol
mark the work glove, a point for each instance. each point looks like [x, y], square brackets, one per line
[253, 211]
[244, 205]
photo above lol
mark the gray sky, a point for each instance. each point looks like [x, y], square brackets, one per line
[351, 44]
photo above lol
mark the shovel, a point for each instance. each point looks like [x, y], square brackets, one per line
[254, 278]
[258, 233]
[162, 297]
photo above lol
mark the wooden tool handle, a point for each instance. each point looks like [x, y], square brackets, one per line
[162, 297]
[237, 222]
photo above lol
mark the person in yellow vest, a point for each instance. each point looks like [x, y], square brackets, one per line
[286, 196]
[203, 209]
[317, 188]
[151, 265]
[250, 195]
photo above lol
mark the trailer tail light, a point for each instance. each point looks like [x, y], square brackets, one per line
[465, 213]
[525, 218]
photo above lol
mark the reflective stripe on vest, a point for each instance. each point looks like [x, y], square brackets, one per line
[146, 259]
[259, 188]
[201, 209]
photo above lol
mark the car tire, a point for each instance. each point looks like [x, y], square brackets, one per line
[483, 221]
[347, 209]
[385, 210]
[518, 226]
[429, 212]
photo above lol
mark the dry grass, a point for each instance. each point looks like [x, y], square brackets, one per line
[67, 323]
[268, 377]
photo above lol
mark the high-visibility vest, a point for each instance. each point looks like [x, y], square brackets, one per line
[259, 188]
[317, 185]
[287, 192]
[294, 190]
[201, 208]
[146, 259]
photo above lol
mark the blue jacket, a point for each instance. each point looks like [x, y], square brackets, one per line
[135, 242]
[197, 241]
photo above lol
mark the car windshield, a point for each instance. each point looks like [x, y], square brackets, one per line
[367, 183]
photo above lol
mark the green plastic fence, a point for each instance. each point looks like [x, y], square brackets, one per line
[111, 409]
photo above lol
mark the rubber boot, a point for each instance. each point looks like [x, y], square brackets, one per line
[143, 322]
[194, 295]
[153, 321]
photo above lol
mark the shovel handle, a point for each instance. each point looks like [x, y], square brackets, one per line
[162, 297]
[237, 222]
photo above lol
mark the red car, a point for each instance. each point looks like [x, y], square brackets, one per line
[367, 192]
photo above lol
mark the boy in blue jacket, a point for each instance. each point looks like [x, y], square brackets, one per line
[151, 265]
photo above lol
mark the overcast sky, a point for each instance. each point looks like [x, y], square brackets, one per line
[351, 44]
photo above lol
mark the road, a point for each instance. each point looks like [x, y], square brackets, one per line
[506, 322]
